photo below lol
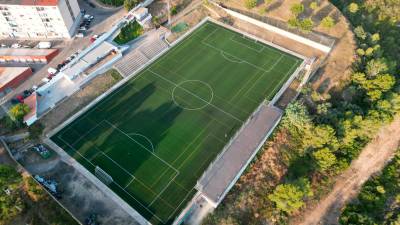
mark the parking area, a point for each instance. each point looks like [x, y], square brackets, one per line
[102, 21]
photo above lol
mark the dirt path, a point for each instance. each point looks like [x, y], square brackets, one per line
[372, 159]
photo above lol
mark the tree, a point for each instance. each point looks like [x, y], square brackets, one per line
[369, 51]
[296, 117]
[324, 158]
[287, 198]
[297, 9]
[376, 66]
[320, 136]
[10, 205]
[313, 5]
[360, 52]
[328, 22]
[353, 8]
[130, 4]
[375, 38]
[360, 33]
[250, 3]
[293, 22]
[18, 111]
[306, 25]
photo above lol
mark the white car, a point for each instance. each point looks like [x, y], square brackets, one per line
[44, 45]
[51, 70]
[80, 35]
[88, 17]
[16, 45]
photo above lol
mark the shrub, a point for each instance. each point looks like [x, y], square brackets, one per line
[328, 22]
[249, 4]
[297, 9]
[353, 7]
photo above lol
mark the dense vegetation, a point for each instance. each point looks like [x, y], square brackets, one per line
[23, 200]
[325, 132]
[129, 32]
[379, 199]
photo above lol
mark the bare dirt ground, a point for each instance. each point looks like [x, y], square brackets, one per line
[371, 160]
[336, 69]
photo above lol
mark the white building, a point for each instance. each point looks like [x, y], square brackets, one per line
[38, 18]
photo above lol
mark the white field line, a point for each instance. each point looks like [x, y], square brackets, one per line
[245, 84]
[232, 56]
[217, 49]
[143, 136]
[193, 141]
[152, 213]
[262, 75]
[115, 127]
[256, 50]
[279, 84]
[189, 92]
[119, 186]
[195, 150]
[216, 96]
[179, 205]
[162, 191]
[86, 133]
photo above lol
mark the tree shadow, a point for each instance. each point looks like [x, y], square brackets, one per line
[322, 13]
[274, 5]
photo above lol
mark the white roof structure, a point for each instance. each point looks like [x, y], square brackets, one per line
[91, 58]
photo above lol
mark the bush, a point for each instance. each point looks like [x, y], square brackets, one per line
[328, 22]
[249, 4]
[297, 9]
[129, 32]
[18, 111]
[174, 10]
[306, 25]
[35, 130]
[130, 4]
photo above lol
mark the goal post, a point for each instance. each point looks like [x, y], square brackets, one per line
[103, 176]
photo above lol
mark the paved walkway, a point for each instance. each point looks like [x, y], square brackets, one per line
[371, 160]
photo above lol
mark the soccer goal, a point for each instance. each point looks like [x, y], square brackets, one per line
[103, 176]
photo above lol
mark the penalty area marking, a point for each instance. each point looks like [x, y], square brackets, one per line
[146, 138]
[231, 56]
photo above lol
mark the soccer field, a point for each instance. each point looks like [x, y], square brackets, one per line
[157, 133]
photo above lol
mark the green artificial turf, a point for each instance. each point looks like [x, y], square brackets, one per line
[158, 133]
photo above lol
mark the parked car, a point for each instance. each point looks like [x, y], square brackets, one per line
[43, 151]
[3, 46]
[80, 35]
[82, 28]
[52, 70]
[94, 38]
[20, 98]
[44, 45]
[88, 17]
[16, 45]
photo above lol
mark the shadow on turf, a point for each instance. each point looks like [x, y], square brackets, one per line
[130, 114]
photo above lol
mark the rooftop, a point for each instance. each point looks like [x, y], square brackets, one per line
[25, 51]
[30, 2]
[31, 101]
[7, 74]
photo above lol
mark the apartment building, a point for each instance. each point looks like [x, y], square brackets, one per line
[38, 18]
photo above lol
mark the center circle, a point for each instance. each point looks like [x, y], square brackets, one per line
[192, 94]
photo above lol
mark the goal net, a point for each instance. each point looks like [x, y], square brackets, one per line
[102, 175]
